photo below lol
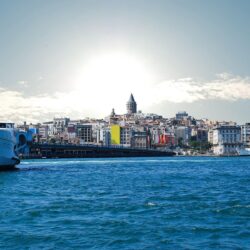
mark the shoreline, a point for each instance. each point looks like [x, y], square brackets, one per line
[142, 156]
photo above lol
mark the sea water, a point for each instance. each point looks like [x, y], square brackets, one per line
[126, 203]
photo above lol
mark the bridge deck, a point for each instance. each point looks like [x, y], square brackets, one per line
[90, 151]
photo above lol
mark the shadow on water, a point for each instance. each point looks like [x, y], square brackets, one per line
[18, 169]
[8, 169]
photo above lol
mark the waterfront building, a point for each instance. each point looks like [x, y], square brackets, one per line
[84, 133]
[97, 127]
[105, 136]
[139, 139]
[131, 105]
[161, 136]
[226, 139]
[245, 134]
[95, 132]
[125, 136]
[210, 136]
[120, 135]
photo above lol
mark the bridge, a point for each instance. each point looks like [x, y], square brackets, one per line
[90, 151]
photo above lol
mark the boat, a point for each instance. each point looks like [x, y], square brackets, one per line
[244, 152]
[8, 144]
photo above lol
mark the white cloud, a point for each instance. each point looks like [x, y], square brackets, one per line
[96, 102]
[18, 108]
[224, 87]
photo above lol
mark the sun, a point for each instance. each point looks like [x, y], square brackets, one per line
[110, 78]
[113, 70]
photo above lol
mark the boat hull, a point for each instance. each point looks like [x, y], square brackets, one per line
[8, 157]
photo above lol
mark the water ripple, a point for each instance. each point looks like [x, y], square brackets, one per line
[138, 203]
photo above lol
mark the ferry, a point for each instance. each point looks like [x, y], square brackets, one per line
[8, 144]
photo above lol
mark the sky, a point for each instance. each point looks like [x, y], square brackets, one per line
[81, 58]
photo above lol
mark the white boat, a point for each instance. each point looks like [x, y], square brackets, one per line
[8, 156]
[244, 151]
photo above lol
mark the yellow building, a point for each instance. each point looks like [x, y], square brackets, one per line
[115, 134]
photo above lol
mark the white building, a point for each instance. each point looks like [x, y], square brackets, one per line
[155, 133]
[245, 134]
[210, 136]
[105, 137]
[226, 140]
[43, 132]
[60, 125]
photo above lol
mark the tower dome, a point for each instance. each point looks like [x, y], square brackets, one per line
[131, 105]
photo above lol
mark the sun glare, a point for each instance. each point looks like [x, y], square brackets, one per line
[114, 71]
[109, 78]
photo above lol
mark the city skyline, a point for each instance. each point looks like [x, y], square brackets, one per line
[83, 58]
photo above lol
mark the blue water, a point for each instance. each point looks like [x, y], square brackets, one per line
[126, 203]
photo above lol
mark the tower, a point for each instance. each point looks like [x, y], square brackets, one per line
[131, 105]
[112, 113]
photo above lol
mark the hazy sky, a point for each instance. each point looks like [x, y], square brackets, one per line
[82, 58]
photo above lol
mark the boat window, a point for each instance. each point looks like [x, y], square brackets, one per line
[6, 125]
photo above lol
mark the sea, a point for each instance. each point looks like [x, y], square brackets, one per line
[127, 203]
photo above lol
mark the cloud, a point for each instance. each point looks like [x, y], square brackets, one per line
[98, 102]
[224, 87]
[18, 108]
